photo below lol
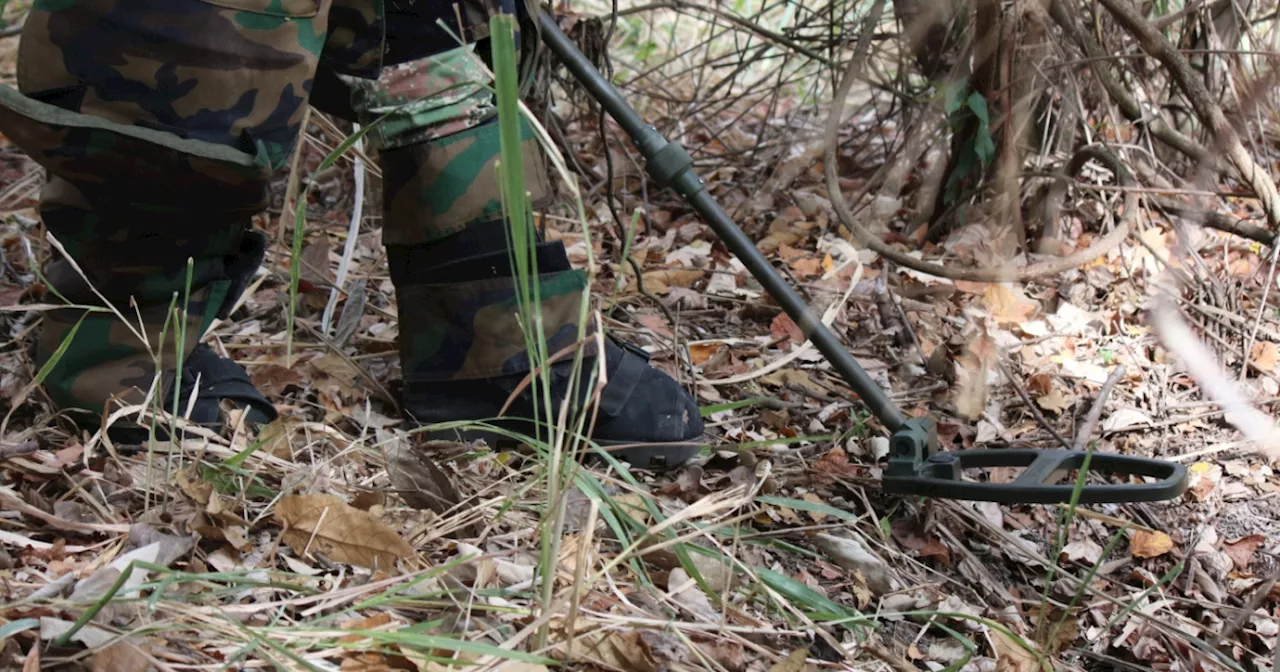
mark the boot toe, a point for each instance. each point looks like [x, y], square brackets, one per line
[657, 421]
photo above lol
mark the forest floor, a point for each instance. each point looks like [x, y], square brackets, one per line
[273, 551]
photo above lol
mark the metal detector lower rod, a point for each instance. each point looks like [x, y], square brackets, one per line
[671, 166]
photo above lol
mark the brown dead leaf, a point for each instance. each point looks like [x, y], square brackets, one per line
[700, 353]
[1149, 544]
[1008, 304]
[832, 465]
[1010, 655]
[817, 516]
[345, 534]
[785, 377]
[807, 267]
[794, 662]
[123, 656]
[1054, 402]
[908, 533]
[315, 261]
[272, 379]
[783, 327]
[1241, 551]
[418, 479]
[660, 282]
[1264, 355]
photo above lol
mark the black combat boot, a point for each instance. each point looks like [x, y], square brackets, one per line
[463, 353]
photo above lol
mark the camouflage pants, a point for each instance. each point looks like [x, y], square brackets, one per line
[161, 123]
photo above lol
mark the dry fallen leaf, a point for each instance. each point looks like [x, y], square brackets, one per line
[794, 662]
[1241, 551]
[807, 268]
[1149, 544]
[325, 524]
[417, 478]
[1010, 655]
[783, 327]
[661, 282]
[1007, 304]
[1264, 355]
[1054, 402]
[122, 656]
[699, 353]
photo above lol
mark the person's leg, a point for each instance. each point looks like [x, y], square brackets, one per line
[462, 347]
[159, 123]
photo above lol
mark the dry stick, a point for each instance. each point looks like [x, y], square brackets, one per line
[1095, 413]
[1155, 124]
[1177, 337]
[1049, 267]
[1261, 593]
[1031, 407]
[1129, 106]
[1209, 112]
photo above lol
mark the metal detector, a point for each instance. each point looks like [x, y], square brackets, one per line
[916, 465]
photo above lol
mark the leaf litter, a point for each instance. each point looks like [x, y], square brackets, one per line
[330, 541]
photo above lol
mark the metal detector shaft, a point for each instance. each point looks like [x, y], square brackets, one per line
[671, 166]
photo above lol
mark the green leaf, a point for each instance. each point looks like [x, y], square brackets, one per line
[953, 95]
[979, 106]
[706, 411]
[983, 146]
[802, 505]
[803, 595]
[21, 625]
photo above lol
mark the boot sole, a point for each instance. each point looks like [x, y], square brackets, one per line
[647, 456]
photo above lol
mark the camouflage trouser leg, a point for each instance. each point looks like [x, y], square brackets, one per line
[160, 124]
[442, 200]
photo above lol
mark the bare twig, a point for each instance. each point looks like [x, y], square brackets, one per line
[1209, 112]
[1095, 413]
